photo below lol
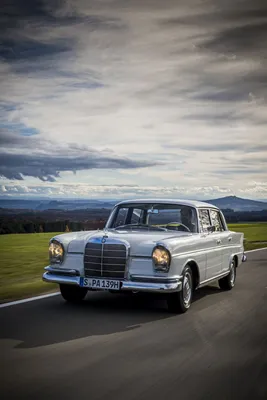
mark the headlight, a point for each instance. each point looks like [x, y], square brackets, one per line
[56, 252]
[161, 258]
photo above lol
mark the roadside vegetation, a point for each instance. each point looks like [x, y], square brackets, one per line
[23, 257]
[255, 234]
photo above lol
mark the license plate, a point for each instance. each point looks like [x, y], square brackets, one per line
[96, 283]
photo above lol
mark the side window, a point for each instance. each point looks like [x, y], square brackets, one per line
[204, 220]
[216, 220]
[121, 217]
[137, 216]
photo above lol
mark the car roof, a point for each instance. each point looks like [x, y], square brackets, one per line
[190, 203]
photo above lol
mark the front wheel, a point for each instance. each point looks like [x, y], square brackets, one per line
[72, 294]
[180, 302]
[228, 282]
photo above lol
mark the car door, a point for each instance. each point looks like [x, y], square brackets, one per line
[227, 243]
[221, 238]
[212, 245]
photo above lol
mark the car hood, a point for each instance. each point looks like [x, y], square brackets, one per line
[141, 243]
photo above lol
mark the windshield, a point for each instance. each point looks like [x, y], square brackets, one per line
[154, 217]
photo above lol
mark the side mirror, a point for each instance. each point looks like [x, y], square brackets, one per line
[211, 228]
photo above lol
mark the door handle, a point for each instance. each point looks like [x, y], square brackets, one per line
[229, 239]
[219, 241]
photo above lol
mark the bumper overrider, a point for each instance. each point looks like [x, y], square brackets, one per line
[136, 283]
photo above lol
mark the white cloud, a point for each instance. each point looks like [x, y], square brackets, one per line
[132, 191]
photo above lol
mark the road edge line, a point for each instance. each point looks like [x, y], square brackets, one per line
[251, 251]
[14, 303]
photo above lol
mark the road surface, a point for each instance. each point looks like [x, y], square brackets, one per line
[130, 347]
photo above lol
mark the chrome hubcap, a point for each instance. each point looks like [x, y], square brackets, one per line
[187, 289]
[232, 274]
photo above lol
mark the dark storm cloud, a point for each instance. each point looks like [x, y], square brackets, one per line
[22, 22]
[212, 147]
[46, 167]
[30, 49]
[220, 11]
[240, 171]
[220, 147]
[213, 117]
[31, 156]
[245, 39]
[21, 13]
[234, 31]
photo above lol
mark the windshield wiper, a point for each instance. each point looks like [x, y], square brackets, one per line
[130, 226]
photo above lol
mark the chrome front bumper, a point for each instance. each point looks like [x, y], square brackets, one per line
[137, 283]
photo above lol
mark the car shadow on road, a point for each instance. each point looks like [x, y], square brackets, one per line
[53, 320]
[207, 291]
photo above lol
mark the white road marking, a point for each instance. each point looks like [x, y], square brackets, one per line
[250, 251]
[14, 303]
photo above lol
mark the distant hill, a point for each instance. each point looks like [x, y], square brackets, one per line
[238, 204]
[230, 202]
[69, 204]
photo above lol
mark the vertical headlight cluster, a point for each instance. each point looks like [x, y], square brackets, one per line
[161, 259]
[56, 252]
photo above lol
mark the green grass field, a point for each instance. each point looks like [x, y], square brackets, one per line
[23, 257]
[255, 234]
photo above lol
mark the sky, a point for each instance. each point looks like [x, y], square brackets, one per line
[118, 99]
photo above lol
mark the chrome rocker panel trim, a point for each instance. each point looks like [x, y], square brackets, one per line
[166, 286]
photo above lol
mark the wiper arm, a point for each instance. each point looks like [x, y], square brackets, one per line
[130, 226]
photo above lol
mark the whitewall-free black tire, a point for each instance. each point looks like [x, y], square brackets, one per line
[180, 302]
[228, 282]
[72, 294]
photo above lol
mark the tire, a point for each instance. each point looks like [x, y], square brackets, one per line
[180, 302]
[72, 294]
[228, 282]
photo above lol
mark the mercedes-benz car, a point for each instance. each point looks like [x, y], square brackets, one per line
[172, 247]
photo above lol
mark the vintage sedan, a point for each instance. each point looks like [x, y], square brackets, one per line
[171, 247]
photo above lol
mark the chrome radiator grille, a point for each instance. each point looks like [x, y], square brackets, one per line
[105, 260]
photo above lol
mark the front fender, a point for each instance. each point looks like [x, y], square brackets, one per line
[195, 269]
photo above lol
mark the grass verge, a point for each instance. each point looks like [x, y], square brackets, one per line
[255, 234]
[24, 256]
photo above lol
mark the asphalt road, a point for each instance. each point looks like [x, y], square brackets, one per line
[130, 347]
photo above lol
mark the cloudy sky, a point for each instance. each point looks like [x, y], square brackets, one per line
[117, 98]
